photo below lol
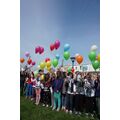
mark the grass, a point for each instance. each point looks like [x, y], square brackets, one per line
[29, 111]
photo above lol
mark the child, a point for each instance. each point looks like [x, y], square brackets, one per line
[28, 87]
[38, 89]
[70, 94]
[47, 90]
[64, 90]
[97, 96]
[89, 95]
[57, 87]
[33, 80]
[52, 78]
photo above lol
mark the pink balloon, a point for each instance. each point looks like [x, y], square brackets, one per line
[33, 63]
[41, 50]
[36, 50]
[27, 54]
[57, 44]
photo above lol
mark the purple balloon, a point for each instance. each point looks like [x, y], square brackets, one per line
[57, 44]
[27, 54]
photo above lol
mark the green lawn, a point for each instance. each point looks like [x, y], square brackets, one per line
[29, 111]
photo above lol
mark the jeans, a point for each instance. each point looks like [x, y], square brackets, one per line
[52, 99]
[29, 90]
[69, 102]
[64, 100]
[57, 100]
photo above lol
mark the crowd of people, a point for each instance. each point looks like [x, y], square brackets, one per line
[75, 93]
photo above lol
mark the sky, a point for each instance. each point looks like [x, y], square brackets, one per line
[76, 22]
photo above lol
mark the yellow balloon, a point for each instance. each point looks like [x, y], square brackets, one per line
[48, 69]
[42, 77]
[42, 65]
[48, 64]
[99, 57]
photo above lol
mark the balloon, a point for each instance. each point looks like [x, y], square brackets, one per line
[47, 59]
[72, 70]
[55, 62]
[41, 50]
[99, 57]
[92, 56]
[93, 48]
[69, 69]
[29, 61]
[96, 64]
[66, 55]
[48, 64]
[42, 77]
[22, 60]
[52, 46]
[76, 55]
[48, 69]
[66, 47]
[58, 56]
[79, 59]
[27, 54]
[37, 49]
[42, 65]
[57, 44]
[35, 73]
[33, 63]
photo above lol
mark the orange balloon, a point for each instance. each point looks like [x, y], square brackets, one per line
[79, 59]
[22, 60]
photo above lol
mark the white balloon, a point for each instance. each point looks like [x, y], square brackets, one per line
[93, 48]
[76, 54]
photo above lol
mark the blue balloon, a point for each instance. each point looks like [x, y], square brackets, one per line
[66, 47]
[58, 56]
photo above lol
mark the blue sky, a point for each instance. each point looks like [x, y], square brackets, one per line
[76, 22]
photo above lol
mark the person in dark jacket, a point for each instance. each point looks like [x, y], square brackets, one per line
[97, 96]
[70, 93]
[22, 81]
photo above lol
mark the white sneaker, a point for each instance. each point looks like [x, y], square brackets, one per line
[76, 112]
[80, 113]
[47, 106]
[58, 109]
[62, 108]
[43, 105]
[70, 111]
[53, 108]
[66, 111]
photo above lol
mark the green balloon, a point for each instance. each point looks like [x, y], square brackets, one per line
[35, 73]
[55, 62]
[96, 64]
[66, 55]
[92, 55]
[69, 69]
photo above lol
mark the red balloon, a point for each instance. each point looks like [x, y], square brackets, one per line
[29, 61]
[47, 59]
[72, 70]
[52, 46]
